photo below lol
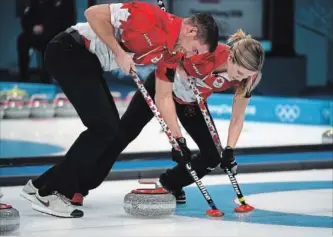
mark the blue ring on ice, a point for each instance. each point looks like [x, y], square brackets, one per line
[21, 148]
[224, 194]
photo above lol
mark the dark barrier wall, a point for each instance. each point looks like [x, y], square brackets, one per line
[288, 75]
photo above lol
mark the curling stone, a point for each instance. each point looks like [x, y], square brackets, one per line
[63, 107]
[17, 108]
[327, 136]
[9, 219]
[148, 203]
[40, 106]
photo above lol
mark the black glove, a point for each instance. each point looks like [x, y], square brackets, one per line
[176, 155]
[228, 160]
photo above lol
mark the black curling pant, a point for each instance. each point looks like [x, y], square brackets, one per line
[137, 115]
[80, 76]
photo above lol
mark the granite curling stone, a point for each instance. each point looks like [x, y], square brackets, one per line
[9, 219]
[147, 203]
[327, 137]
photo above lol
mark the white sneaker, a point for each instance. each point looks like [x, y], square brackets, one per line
[29, 191]
[56, 205]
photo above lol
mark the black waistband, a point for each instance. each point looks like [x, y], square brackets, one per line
[76, 36]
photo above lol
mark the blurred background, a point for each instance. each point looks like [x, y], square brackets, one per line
[288, 121]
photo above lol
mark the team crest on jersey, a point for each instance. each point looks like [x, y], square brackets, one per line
[218, 82]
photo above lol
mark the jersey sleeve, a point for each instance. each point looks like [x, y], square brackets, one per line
[166, 67]
[119, 14]
[137, 26]
[131, 20]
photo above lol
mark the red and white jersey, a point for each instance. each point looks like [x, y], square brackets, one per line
[145, 30]
[201, 68]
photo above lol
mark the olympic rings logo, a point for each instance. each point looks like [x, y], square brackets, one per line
[287, 113]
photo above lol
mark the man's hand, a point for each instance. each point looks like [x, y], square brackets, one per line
[228, 160]
[125, 61]
[38, 29]
[176, 155]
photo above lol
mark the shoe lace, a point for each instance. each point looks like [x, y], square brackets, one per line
[63, 198]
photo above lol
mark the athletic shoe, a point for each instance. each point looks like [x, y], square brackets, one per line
[29, 191]
[56, 205]
[180, 196]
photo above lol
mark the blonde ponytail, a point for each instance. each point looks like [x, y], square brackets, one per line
[240, 34]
